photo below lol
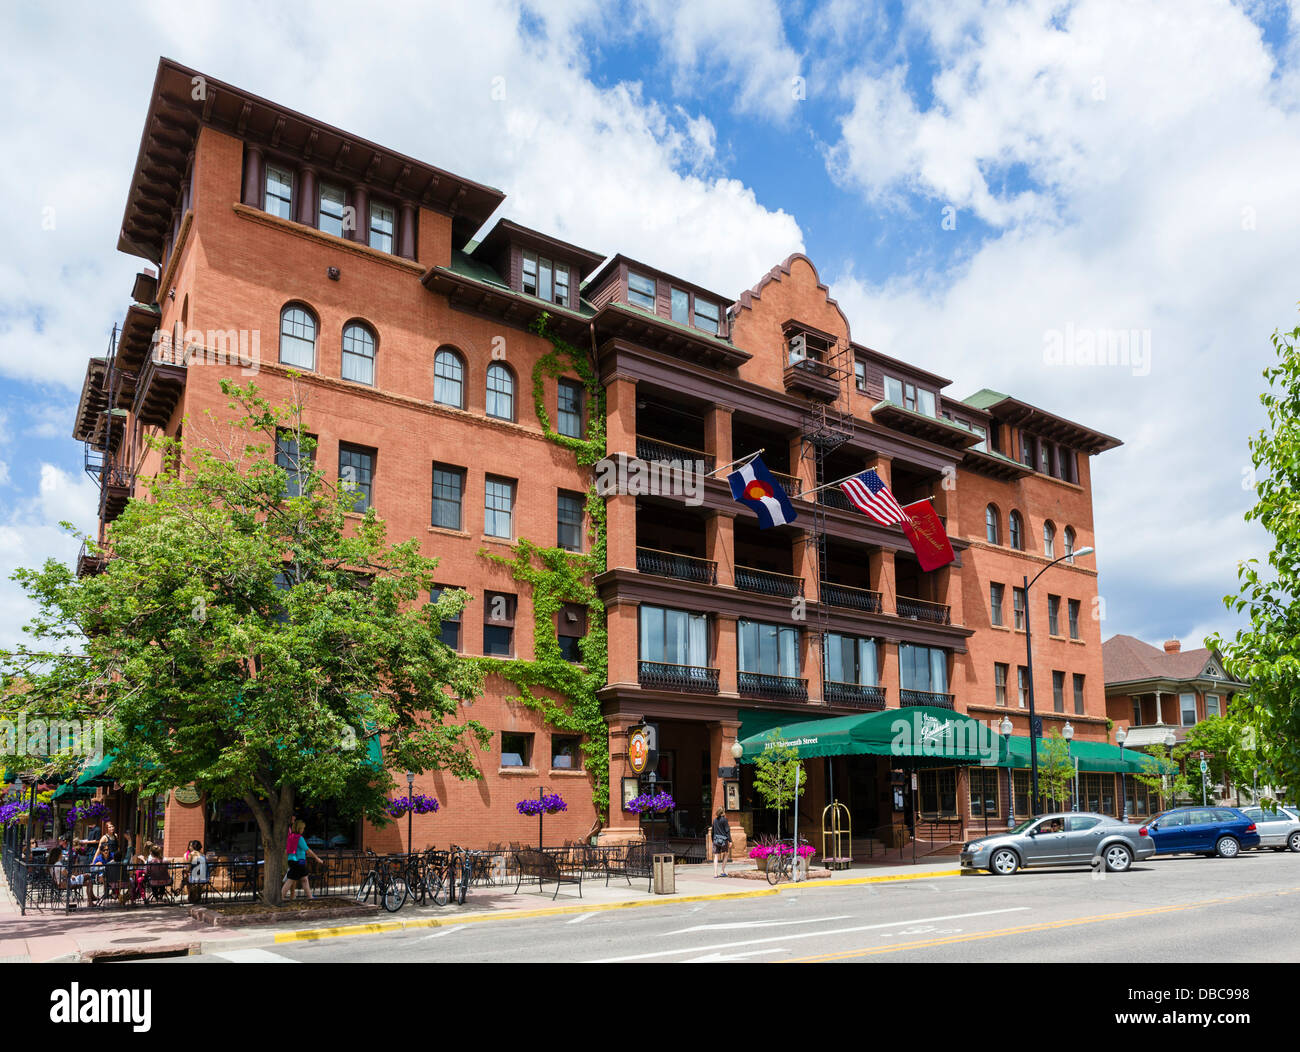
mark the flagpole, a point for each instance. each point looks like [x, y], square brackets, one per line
[745, 459]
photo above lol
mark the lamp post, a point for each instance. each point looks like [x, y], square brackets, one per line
[1067, 732]
[1201, 757]
[410, 793]
[1121, 736]
[1170, 738]
[1004, 728]
[1029, 661]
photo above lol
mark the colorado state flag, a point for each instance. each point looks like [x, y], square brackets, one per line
[754, 486]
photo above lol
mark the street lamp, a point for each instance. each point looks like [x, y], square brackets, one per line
[1067, 732]
[1170, 738]
[1004, 728]
[1121, 736]
[1034, 726]
[410, 810]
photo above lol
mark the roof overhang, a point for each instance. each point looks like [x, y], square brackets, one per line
[650, 330]
[502, 304]
[994, 465]
[506, 232]
[93, 401]
[931, 428]
[1049, 425]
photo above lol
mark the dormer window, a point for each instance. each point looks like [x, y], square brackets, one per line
[706, 316]
[640, 290]
[681, 306]
[909, 396]
[545, 279]
[330, 215]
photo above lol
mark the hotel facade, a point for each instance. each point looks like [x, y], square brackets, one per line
[381, 291]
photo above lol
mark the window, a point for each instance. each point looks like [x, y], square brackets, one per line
[499, 506]
[673, 637]
[448, 497]
[1066, 460]
[900, 392]
[297, 338]
[279, 192]
[382, 224]
[561, 296]
[996, 592]
[358, 354]
[1069, 545]
[1058, 691]
[925, 402]
[981, 446]
[450, 626]
[1053, 615]
[1018, 606]
[984, 791]
[641, 290]
[1000, 683]
[1049, 540]
[706, 316]
[1016, 527]
[295, 463]
[938, 791]
[1022, 686]
[449, 379]
[545, 279]
[1045, 457]
[769, 650]
[1028, 451]
[1212, 706]
[569, 421]
[498, 624]
[1020, 783]
[851, 659]
[332, 202]
[1078, 693]
[1137, 712]
[860, 374]
[681, 306]
[516, 750]
[992, 532]
[568, 515]
[500, 392]
[566, 754]
[1140, 798]
[570, 629]
[1187, 709]
[1097, 792]
[356, 470]
[923, 668]
[1073, 605]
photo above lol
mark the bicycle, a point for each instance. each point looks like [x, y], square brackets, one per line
[430, 877]
[387, 888]
[781, 866]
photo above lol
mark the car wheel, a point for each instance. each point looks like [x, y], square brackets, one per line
[1004, 862]
[1227, 847]
[1293, 841]
[1118, 858]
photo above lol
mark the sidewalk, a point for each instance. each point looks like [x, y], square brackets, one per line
[58, 936]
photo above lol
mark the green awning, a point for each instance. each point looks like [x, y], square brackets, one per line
[923, 732]
[1092, 756]
[90, 777]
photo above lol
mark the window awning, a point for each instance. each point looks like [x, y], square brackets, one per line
[923, 732]
[1092, 756]
[91, 776]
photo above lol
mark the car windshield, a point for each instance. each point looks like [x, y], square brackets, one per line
[1024, 825]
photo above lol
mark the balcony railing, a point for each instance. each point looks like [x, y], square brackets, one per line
[833, 497]
[909, 698]
[782, 688]
[858, 695]
[920, 610]
[768, 583]
[789, 483]
[690, 679]
[682, 567]
[657, 449]
[854, 598]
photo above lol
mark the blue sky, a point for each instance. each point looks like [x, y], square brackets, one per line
[1109, 167]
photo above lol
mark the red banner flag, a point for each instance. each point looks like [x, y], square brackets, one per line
[927, 536]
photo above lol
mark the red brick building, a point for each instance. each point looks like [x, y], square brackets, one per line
[317, 252]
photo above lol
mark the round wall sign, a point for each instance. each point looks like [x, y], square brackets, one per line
[638, 749]
[186, 794]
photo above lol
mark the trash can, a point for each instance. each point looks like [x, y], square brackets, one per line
[665, 875]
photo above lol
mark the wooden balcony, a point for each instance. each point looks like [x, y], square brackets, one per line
[159, 389]
[681, 567]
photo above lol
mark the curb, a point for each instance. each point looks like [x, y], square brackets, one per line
[380, 928]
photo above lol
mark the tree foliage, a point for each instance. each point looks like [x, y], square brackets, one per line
[1161, 776]
[1055, 770]
[776, 772]
[251, 641]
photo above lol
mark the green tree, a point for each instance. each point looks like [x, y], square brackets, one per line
[1266, 653]
[776, 772]
[1161, 776]
[249, 633]
[1055, 769]
[1230, 762]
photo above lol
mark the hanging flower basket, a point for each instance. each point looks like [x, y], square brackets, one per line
[419, 804]
[550, 804]
[650, 803]
[93, 809]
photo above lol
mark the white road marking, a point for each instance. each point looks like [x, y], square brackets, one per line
[254, 956]
[579, 918]
[732, 926]
[713, 958]
[440, 933]
[806, 935]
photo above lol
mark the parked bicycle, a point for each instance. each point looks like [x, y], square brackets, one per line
[781, 866]
[430, 876]
[383, 884]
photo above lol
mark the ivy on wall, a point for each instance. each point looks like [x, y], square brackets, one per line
[556, 576]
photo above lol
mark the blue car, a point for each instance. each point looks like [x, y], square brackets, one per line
[1210, 831]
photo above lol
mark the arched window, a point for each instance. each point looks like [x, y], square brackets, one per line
[992, 525]
[1069, 543]
[449, 378]
[358, 353]
[297, 338]
[1049, 539]
[500, 392]
[1016, 527]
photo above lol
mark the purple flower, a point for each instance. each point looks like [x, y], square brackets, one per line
[650, 803]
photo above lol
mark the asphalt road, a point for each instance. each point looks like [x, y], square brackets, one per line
[1181, 909]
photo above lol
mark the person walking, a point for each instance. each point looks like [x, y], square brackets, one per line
[197, 879]
[721, 834]
[298, 851]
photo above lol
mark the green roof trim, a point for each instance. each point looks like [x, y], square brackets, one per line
[984, 398]
[698, 334]
[463, 266]
[885, 402]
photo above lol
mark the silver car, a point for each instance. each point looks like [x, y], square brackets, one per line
[1278, 829]
[1062, 839]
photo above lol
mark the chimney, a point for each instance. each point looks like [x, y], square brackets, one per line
[1172, 646]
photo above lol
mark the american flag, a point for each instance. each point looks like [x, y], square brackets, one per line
[872, 497]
